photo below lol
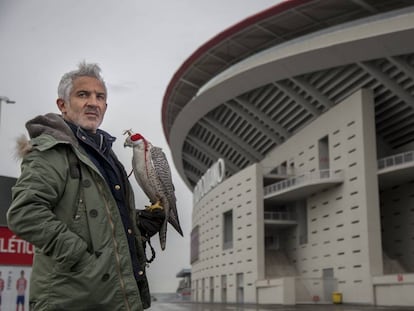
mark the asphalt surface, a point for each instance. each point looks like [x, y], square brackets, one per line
[188, 306]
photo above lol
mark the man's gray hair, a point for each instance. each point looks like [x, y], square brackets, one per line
[84, 70]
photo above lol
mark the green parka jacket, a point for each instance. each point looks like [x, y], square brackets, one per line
[63, 206]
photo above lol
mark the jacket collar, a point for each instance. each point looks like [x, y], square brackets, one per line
[100, 140]
[51, 124]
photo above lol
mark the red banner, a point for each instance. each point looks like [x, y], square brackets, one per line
[14, 250]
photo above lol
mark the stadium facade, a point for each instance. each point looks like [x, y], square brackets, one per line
[295, 130]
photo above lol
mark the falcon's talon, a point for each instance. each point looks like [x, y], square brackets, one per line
[154, 206]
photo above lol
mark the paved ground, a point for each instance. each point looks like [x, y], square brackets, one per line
[187, 306]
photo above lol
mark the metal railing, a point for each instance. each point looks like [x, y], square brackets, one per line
[396, 159]
[279, 216]
[302, 179]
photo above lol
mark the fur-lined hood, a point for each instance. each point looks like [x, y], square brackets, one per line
[50, 124]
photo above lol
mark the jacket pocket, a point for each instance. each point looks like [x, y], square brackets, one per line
[84, 262]
[80, 225]
[91, 281]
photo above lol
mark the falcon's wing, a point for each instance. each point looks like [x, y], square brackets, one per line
[163, 172]
[140, 172]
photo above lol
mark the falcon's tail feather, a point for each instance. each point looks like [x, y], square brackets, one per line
[163, 234]
[173, 220]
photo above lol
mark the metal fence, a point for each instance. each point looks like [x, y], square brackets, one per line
[279, 216]
[396, 159]
[302, 179]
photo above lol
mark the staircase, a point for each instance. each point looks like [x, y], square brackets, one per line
[277, 264]
[391, 265]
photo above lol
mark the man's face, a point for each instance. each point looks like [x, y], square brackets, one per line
[87, 103]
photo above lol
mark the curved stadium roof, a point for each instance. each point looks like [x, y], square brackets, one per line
[254, 85]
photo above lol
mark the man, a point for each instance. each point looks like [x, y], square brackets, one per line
[74, 203]
[21, 285]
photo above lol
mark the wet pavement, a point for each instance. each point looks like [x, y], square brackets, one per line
[188, 306]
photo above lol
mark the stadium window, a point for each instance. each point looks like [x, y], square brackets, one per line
[195, 244]
[228, 230]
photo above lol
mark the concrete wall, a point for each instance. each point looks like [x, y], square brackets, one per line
[276, 291]
[242, 193]
[394, 290]
[343, 222]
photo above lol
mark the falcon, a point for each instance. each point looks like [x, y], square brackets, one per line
[153, 174]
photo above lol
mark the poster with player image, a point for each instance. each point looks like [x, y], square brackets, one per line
[14, 288]
[16, 258]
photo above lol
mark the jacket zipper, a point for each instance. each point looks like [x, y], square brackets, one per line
[118, 261]
[116, 250]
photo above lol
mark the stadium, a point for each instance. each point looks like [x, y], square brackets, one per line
[295, 130]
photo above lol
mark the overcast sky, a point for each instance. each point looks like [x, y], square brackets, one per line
[139, 46]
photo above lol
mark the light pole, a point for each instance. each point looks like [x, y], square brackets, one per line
[5, 99]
